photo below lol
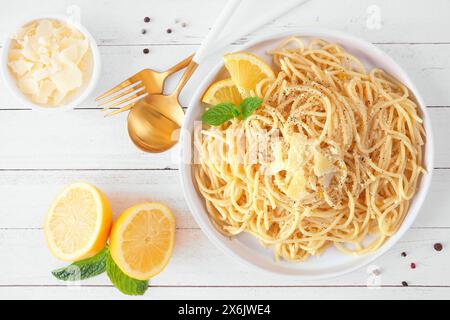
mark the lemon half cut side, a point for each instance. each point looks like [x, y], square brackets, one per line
[78, 223]
[142, 240]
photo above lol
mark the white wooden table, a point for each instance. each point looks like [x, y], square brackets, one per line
[41, 152]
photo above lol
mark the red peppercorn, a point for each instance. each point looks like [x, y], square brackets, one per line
[146, 19]
[438, 246]
[413, 265]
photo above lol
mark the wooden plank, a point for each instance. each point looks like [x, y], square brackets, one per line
[427, 64]
[126, 188]
[227, 293]
[197, 262]
[84, 139]
[73, 139]
[375, 20]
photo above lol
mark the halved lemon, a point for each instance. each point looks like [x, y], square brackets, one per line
[78, 222]
[222, 91]
[142, 240]
[247, 70]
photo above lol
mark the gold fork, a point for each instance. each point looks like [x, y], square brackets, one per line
[138, 86]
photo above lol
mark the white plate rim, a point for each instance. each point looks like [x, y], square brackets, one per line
[190, 193]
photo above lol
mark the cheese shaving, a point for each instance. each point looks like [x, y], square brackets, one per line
[48, 59]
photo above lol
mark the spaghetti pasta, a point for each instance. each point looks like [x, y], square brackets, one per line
[332, 157]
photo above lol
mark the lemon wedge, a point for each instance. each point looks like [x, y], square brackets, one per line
[142, 240]
[78, 222]
[247, 70]
[222, 91]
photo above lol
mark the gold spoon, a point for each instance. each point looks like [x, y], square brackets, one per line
[154, 121]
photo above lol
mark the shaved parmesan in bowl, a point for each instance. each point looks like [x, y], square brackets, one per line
[50, 61]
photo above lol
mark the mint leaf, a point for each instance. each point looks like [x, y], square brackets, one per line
[249, 105]
[124, 283]
[221, 113]
[83, 269]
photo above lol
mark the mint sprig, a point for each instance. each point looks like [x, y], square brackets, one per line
[83, 269]
[124, 283]
[223, 112]
[98, 264]
[249, 105]
[220, 113]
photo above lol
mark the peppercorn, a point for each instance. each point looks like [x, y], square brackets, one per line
[438, 246]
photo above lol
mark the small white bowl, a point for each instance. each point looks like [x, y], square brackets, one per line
[81, 94]
[247, 249]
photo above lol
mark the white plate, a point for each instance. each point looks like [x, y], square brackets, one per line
[246, 248]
